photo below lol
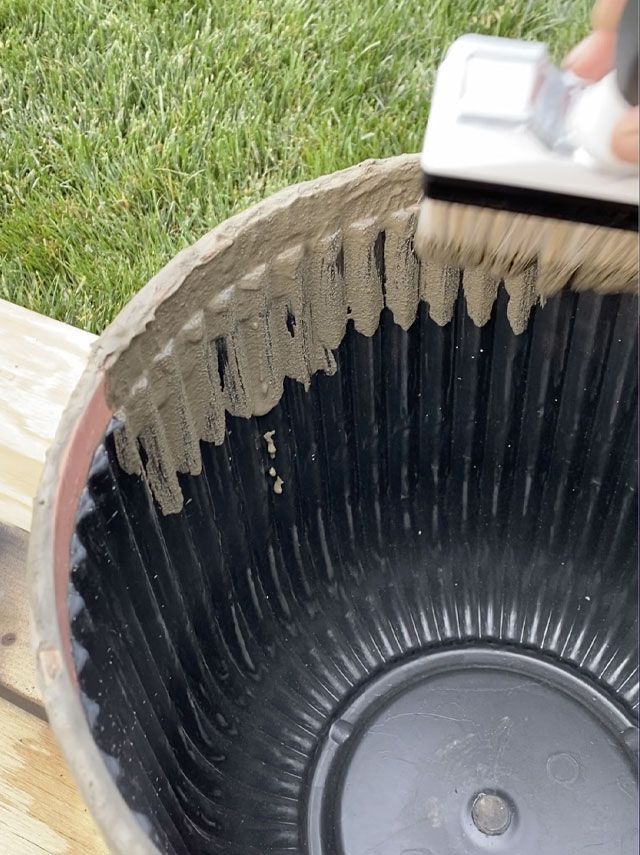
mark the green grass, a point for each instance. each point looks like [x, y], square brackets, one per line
[128, 128]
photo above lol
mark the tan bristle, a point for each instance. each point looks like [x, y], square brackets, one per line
[505, 245]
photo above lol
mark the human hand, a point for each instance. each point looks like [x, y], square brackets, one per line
[594, 57]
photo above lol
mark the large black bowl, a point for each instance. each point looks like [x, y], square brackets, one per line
[396, 614]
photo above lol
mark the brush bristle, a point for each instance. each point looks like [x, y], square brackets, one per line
[505, 244]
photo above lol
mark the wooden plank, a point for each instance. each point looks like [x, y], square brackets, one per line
[40, 363]
[17, 665]
[40, 808]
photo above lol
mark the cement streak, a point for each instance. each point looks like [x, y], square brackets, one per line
[268, 295]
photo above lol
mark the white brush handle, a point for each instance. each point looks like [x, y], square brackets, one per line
[595, 116]
[481, 126]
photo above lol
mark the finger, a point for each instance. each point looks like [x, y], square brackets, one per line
[593, 57]
[625, 141]
[606, 14]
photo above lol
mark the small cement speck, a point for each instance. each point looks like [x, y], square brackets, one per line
[271, 446]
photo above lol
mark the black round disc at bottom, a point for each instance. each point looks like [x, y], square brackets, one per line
[476, 750]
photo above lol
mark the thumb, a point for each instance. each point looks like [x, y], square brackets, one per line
[625, 141]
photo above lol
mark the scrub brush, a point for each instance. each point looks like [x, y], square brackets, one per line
[518, 175]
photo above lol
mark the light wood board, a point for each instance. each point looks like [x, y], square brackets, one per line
[41, 361]
[40, 808]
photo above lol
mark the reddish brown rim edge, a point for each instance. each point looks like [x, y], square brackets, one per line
[76, 460]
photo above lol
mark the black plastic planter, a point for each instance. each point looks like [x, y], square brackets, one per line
[394, 614]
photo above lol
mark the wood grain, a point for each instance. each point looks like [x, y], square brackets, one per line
[40, 363]
[40, 808]
[17, 666]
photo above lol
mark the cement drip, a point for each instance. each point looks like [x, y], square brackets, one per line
[265, 296]
[268, 295]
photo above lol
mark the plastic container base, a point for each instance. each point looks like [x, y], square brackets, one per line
[406, 762]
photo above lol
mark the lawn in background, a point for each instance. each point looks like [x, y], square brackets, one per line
[128, 128]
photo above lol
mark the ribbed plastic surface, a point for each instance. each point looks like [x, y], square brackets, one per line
[446, 486]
